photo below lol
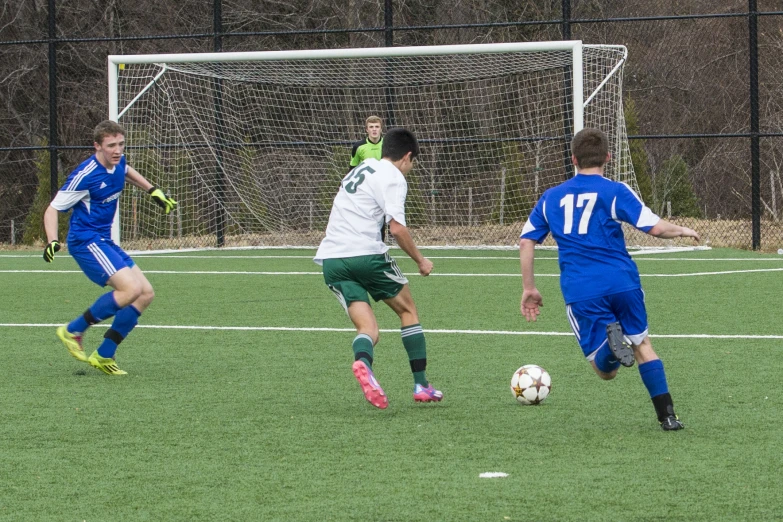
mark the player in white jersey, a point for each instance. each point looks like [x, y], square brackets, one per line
[92, 190]
[356, 261]
[599, 280]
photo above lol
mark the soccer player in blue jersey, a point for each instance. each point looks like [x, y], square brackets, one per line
[599, 280]
[92, 190]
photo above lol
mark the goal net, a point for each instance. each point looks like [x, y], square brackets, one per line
[253, 145]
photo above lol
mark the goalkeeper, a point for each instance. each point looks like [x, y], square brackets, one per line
[93, 190]
[369, 147]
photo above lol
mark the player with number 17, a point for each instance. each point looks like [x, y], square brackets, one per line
[599, 280]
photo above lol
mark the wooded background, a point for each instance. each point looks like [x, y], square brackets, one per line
[689, 84]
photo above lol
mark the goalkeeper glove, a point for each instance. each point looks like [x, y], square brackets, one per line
[163, 200]
[51, 248]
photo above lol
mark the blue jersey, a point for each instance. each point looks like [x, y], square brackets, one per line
[93, 191]
[584, 216]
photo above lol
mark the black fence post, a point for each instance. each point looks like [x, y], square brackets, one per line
[565, 26]
[388, 22]
[53, 134]
[217, 84]
[755, 175]
[388, 25]
[568, 95]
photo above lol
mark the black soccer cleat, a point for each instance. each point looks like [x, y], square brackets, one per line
[671, 423]
[620, 348]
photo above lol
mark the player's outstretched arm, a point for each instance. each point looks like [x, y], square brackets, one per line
[162, 199]
[405, 242]
[531, 298]
[666, 230]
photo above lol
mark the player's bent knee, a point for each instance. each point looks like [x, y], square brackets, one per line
[127, 294]
[131, 293]
[137, 290]
[606, 376]
[146, 297]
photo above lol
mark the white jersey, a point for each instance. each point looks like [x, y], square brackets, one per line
[371, 194]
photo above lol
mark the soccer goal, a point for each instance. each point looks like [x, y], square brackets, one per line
[253, 145]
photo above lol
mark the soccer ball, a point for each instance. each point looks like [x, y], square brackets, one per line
[530, 384]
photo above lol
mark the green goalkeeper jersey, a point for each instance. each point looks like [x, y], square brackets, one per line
[365, 149]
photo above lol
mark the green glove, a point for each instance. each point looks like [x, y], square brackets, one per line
[51, 248]
[163, 200]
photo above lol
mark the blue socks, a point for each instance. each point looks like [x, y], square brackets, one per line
[103, 308]
[605, 359]
[653, 377]
[125, 320]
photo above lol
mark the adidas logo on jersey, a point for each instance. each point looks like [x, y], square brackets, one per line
[111, 198]
[103, 184]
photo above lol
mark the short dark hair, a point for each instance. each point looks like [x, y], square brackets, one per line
[590, 147]
[398, 142]
[107, 128]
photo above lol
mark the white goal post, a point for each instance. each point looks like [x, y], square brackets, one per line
[253, 145]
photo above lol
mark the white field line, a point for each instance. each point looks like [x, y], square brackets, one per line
[434, 331]
[434, 274]
[467, 258]
[515, 246]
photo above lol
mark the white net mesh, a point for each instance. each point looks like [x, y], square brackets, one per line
[254, 151]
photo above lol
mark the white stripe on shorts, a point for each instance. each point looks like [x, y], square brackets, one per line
[102, 260]
[574, 322]
[340, 297]
[400, 277]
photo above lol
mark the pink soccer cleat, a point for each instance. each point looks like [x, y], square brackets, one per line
[370, 387]
[428, 394]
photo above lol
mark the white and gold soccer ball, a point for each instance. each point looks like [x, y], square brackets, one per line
[531, 384]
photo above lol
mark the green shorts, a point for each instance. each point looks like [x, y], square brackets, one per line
[352, 278]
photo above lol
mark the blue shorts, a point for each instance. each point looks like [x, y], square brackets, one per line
[589, 319]
[100, 259]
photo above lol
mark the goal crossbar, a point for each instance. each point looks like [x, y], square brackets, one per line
[575, 46]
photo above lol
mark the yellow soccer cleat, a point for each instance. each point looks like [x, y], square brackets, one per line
[105, 364]
[72, 342]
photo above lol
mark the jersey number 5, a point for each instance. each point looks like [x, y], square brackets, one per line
[568, 203]
[356, 178]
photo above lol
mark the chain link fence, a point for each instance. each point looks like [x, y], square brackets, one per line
[702, 85]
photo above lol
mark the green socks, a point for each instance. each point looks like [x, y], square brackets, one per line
[412, 340]
[362, 349]
[416, 346]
